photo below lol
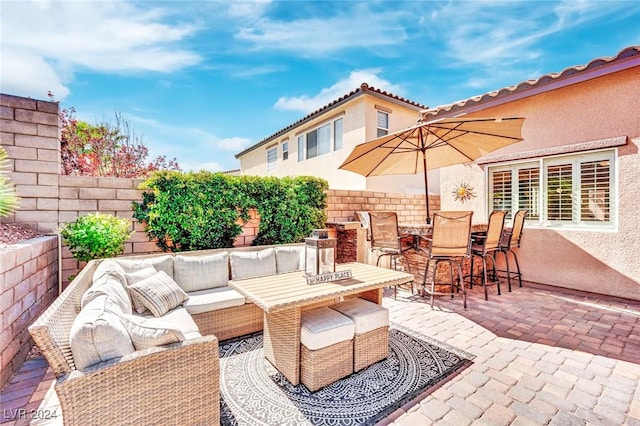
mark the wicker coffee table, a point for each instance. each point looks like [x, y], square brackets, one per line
[283, 297]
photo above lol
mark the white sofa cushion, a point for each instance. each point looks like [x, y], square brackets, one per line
[193, 273]
[213, 299]
[145, 335]
[177, 319]
[159, 293]
[366, 315]
[289, 259]
[323, 327]
[253, 263]
[109, 267]
[97, 334]
[161, 263]
[108, 285]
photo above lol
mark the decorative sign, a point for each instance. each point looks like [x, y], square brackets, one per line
[331, 276]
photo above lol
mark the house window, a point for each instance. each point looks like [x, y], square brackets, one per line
[301, 148]
[285, 151]
[272, 158]
[319, 141]
[383, 123]
[337, 134]
[562, 191]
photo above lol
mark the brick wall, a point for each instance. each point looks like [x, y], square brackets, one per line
[410, 208]
[28, 284]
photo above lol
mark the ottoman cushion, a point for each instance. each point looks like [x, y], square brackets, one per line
[366, 315]
[322, 327]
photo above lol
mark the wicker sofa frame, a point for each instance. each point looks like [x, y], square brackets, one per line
[155, 385]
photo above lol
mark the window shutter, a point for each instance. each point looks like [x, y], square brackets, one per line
[529, 191]
[559, 192]
[502, 191]
[595, 191]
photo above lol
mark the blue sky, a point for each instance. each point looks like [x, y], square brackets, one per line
[202, 80]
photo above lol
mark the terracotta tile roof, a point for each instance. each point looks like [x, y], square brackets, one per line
[539, 83]
[364, 88]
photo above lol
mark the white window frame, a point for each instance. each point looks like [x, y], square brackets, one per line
[285, 150]
[338, 134]
[382, 126]
[301, 148]
[272, 158]
[325, 137]
[543, 165]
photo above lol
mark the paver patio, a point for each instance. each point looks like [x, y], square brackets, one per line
[543, 356]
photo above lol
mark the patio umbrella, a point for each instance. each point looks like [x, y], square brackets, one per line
[449, 141]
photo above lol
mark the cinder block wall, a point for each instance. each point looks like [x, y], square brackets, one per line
[342, 204]
[29, 132]
[28, 285]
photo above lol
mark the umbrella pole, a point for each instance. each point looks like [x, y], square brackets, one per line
[426, 185]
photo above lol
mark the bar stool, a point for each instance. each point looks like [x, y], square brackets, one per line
[371, 321]
[326, 350]
[485, 247]
[510, 240]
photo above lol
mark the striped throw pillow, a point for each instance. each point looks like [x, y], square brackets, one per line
[159, 293]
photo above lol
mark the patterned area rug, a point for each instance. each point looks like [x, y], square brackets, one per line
[254, 393]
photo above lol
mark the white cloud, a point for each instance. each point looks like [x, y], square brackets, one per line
[235, 144]
[307, 104]
[211, 166]
[98, 36]
[354, 26]
[28, 75]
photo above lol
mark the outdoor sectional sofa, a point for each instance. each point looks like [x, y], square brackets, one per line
[115, 365]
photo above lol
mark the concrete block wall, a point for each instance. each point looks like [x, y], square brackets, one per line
[28, 285]
[341, 205]
[81, 195]
[29, 132]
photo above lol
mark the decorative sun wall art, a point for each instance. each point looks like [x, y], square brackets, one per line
[463, 192]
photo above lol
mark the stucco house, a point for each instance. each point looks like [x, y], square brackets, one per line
[319, 142]
[577, 172]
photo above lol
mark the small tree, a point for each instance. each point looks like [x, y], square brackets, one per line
[105, 149]
[9, 200]
[96, 236]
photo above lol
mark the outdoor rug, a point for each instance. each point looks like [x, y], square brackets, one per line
[253, 392]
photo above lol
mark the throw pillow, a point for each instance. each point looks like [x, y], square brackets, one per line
[252, 263]
[144, 335]
[159, 293]
[135, 277]
[193, 273]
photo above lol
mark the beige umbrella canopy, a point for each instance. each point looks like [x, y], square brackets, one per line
[449, 141]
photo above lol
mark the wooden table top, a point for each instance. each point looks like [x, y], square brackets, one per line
[279, 292]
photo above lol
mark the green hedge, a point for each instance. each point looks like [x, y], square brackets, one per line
[195, 211]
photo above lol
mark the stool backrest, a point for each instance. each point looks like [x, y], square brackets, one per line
[451, 233]
[384, 230]
[494, 230]
[512, 238]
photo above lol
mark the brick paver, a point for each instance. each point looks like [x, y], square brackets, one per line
[543, 356]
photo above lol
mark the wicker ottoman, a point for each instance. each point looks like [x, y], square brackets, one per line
[371, 341]
[326, 350]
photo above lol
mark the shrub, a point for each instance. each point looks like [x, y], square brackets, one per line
[95, 236]
[204, 210]
[8, 198]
